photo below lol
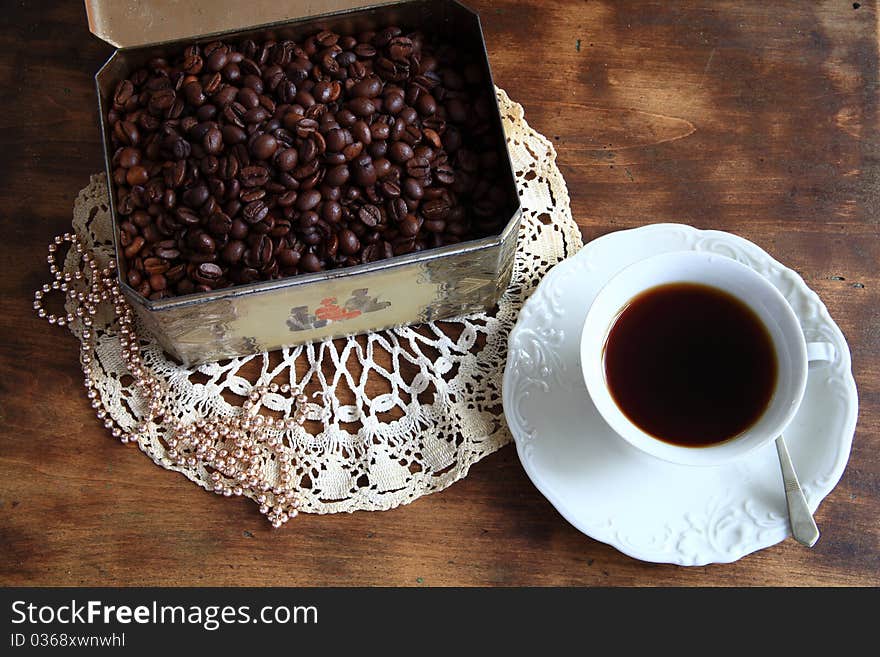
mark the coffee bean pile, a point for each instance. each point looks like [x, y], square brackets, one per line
[236, 163]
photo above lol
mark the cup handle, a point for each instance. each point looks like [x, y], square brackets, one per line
[820, 352]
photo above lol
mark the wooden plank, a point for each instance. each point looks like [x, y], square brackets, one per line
[759, 119]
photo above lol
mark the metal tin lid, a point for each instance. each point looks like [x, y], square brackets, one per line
[130, 23]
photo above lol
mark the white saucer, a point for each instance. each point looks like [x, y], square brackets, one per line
[648, 508]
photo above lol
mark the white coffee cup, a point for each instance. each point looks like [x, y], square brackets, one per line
[744, 283]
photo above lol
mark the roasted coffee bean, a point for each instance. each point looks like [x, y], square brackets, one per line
[390, 189]
[337, 175]
[254, 176]
[250, 195]
[372, 253]
[255, 211]
[393, 101]
[400, 48]
[202, 242]
[348, 242]
[305, 127]
[192, 61]
[404, 245]
[444, 174]
[400, 152]
[418, 167]
[361, 106]
[219, 100]
[287, 199]
[217, 188]
[337, 139]
[378, 149]
[380, 131]
[126, 133]
[287, 159]
[264, 147]
[345, 117]
[397, 209]
[232, 134]
[410, 225]
[176, 273]
[129, 157]
[220, 223]
[412, 189]
[309, 262]
[255, 82]
[161, 101]
[352, 151]
[176, 174]
[383, 166]
[167, 252]
[124, 92]
[137, 175]
[195, 197]
[369, 87]
[307, 221]
[248, 98]
[365, 51]
[155, 266]
[239, 229]
[287, 258]
[261, 252]
[208, 273]
[119, 176]
[256, 115]
[134, 277]
[436, 209]
[370, 215]
[435, 225]
[281, 228]
[134, 247]
[426, 105]
[308, 150]
[331, 212]
[327, 92]
[212, 142]
[128, 226]
[307, 200]
[331, 245]
[217, 59]
[209, 165]
[158, 282]
[186, 216]
[361, 132]
[152, 233]
[329, 192]
[364, 171]
[235, 163]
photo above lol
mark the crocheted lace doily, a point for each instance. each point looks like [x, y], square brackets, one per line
[392, 415]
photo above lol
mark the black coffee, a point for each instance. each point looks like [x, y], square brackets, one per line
[690, 364]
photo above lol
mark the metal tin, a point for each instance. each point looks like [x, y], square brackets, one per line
[413, 288]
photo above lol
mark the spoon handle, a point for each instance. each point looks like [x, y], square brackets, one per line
[803, 527]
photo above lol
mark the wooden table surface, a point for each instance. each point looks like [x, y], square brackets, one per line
[756, 118]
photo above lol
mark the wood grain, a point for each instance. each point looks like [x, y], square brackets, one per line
[757, 118]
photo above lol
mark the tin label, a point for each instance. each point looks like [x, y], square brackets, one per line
[335, 307]
[330, 311]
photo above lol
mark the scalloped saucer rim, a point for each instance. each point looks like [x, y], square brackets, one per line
[547, 408]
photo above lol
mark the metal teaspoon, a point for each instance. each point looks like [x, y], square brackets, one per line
[803, 527]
